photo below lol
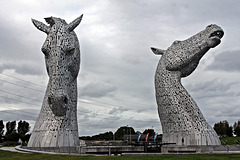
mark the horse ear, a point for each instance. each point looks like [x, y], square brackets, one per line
[157, 51]
[71, 26]
[41, 26]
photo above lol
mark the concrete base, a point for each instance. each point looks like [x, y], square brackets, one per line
[69, 150]
[181, 149]
[84, 149]
[132, 150]
[113, 149]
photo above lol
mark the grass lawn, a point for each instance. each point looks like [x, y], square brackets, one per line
[7, 155]
[230, 140]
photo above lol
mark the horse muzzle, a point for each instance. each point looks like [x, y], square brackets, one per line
[58, 102]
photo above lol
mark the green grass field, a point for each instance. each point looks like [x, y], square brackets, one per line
[230, 140]
[7, 155]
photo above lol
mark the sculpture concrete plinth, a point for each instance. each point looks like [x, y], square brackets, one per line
[181, 119]
[57, 124]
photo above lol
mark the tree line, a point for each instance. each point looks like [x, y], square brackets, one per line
[122, 133]
[13, 133]
[223, 129]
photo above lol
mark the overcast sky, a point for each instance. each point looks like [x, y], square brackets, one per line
[116, 79]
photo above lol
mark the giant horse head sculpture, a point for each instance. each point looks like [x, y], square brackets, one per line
[184, 56]
[181, 119]
[62, 57]
[57, 120]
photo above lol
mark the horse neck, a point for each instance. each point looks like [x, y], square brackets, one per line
[165, 78]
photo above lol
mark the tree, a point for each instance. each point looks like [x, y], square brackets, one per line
[236, 128]
[218, 127]
[11, 127]
[229, 131]
[13, 136]
[1, 128]
[23, 127]
[150, 131]
[223, 129]
[124, 130]
[103, 136]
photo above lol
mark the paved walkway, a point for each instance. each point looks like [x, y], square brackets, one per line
[12, 149]
[20, 150]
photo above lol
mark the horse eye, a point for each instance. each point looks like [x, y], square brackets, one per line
[71, 51]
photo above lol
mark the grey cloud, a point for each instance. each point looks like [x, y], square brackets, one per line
[212, 85]
[97, 90]
[21, 114]
[227, 112]
[116, 60]
[24, 69]
[141, 124]
[110, 124]
[212, 88]
[118, 110]
[226, 61]
[19, 93]
[20, 97]
[16, 45]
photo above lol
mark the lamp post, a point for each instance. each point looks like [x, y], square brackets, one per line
[127, 132]
[130, 136]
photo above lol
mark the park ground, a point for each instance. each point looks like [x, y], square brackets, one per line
[7, 155]
[230, 140]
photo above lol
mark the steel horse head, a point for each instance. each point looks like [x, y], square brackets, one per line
[57, 122]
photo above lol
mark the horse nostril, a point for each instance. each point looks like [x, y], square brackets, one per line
[65, 100]
[50, 100]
